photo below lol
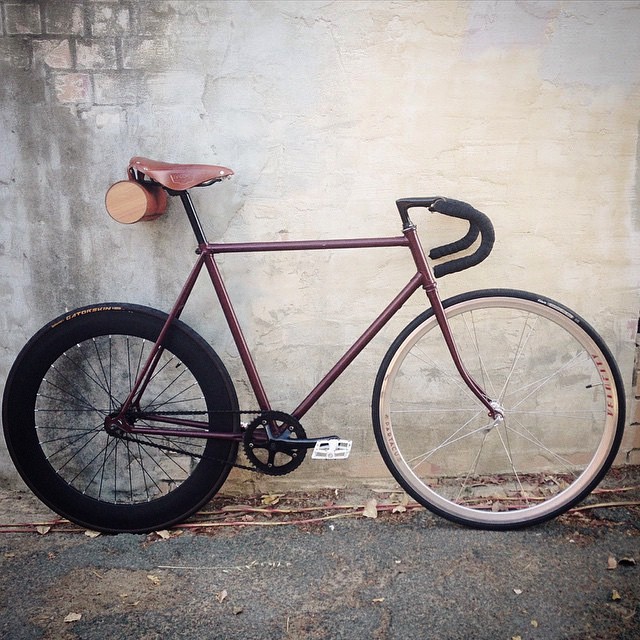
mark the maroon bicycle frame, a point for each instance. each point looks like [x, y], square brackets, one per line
[206, 258]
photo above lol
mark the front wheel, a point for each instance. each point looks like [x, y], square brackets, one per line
[75, 374]
[546, 368]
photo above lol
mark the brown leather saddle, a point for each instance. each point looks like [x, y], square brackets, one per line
[177, 177]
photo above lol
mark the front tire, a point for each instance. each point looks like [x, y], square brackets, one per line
[557, 382]
[77, 371]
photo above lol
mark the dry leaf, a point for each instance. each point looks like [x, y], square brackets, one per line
[237, 611]
[370, 509]
[627, 562]
[272, 498]
[612, 563]
[43, 529]
[154, 579]
[73, 617]
[516, 637]
[91, 534]
[378, 600]
[615, 595]
[221, 596]
[164, 534]
[534, 624]
[517, 591]
[399, 508]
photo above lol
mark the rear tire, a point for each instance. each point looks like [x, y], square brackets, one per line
[76, 371]
[556, 381]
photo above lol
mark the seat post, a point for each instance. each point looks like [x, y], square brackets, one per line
[187, 203]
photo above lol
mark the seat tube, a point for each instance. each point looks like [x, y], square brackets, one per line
[236, 331]
[431, 288]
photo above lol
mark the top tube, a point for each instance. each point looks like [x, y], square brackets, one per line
[306, 245]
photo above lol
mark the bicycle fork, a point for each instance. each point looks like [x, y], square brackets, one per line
[430, 286]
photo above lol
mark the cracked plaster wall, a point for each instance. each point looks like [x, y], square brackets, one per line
[327, 112]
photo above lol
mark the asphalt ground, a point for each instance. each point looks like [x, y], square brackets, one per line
[314, 566]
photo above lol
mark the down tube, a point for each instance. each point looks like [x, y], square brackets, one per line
[375, 327]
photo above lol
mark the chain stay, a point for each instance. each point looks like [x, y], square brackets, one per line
[164, 447]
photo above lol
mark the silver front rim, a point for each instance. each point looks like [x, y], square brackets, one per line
[560, 412]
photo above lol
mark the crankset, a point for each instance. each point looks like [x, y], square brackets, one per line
[276, 443]
[273, 443]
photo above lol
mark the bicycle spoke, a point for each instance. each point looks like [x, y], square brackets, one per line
[452, 439]
[542, 382]
[473, 468]
[104, 466]
[557, 424]
[529, 437]
[449, 377]
[519, 352]
[485, 379]
[73, 440]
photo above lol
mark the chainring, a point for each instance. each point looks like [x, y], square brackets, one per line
[275, 456]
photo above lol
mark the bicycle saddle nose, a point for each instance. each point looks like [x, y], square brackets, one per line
[178, 177]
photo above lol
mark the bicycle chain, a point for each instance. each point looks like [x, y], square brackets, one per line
[164, 447]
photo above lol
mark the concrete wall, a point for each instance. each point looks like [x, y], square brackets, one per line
[327, 112]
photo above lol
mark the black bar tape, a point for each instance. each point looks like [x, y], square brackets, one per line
[457, 246]
[479, 223]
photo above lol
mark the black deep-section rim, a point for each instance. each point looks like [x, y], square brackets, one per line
[31, 366]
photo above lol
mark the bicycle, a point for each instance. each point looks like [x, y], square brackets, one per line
[496, 408]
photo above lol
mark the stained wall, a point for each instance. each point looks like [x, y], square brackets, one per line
[327, 112]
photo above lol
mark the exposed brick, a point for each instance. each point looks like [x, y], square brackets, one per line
[117, 88]
[153, 16]
[73, 88]
[56, 54]
[23, 18]
[147, 53]
[16, 52]
[96, 55]
[109, 19]
[64, 17]
[109, 117]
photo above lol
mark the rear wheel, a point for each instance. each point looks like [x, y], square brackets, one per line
[554, 379]
[75, 373]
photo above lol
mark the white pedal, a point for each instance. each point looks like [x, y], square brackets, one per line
[332, 449]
